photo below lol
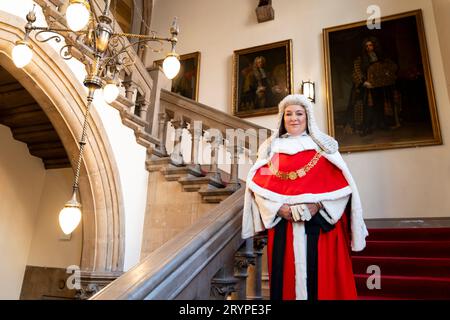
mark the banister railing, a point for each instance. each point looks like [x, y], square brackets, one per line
[188, 261]
[233, 134]
[208, 260]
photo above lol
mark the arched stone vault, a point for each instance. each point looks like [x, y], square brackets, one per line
[63, 98]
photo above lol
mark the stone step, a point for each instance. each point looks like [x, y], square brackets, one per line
[212, 194]
[192, 183]
[156, 163]
[173, 173]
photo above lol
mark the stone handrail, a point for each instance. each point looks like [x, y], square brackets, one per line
[212, 117]
[183, 267]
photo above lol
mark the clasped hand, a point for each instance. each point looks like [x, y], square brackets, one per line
[286, 213]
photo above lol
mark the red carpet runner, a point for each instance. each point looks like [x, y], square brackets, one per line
[414, 264]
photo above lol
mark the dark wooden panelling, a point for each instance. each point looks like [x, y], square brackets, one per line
[45, 283]
[14, 98]
[29, 123]
[5, 111]
[24, 119]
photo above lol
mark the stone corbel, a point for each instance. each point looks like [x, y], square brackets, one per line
[93, 282]
[222, 288]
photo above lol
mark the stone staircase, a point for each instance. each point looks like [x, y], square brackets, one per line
[176, 199]
[193, 207]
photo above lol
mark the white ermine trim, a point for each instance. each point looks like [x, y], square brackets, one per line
[252, 222]
[324, 215]
[293, 145]
[268, 210]
[251, 219]
[334, 209]
[299, 235]
[296, 199]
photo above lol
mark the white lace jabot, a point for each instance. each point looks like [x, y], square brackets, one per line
[292, 144]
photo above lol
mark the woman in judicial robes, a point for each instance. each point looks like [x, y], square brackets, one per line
[301, 191]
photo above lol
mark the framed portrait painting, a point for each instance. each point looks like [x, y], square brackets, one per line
[187, 80]
[262, 77]
[379, 87]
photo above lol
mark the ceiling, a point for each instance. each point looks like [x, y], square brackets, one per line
[123, 13]
[29, 124]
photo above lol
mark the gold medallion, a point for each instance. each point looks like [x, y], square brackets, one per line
[301, 173]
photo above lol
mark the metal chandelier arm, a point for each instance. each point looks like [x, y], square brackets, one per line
[124, 50]
[104, 54]
[57, 30]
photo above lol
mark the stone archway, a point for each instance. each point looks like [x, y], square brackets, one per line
[62, 97]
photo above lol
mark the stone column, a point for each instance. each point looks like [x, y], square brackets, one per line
[160, 81]
[176, 158]
[235, 150]
[196, 134]
[223, 284]
[143, 107]
[255, 277]
[162, 135]
[214, 174]
[242, 259]
[130, 87]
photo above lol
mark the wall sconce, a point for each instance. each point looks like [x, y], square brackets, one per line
[264, 11]
[308, 90]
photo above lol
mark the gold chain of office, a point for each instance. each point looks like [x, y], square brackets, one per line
[300, 173]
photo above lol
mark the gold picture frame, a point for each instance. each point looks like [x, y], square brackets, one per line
[378, 85]
[187, 80]
[262, 77]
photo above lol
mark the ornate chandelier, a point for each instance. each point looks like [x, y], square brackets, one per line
[105, 54]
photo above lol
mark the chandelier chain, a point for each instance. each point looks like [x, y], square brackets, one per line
[82, 142]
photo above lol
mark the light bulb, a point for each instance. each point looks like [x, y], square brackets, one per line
[69, 218]
[70, 215]
[308, 90]
[171, 66]
[110, 92]
[22, 54]
[77, 16]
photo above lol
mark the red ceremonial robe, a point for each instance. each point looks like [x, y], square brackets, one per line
[335, 275]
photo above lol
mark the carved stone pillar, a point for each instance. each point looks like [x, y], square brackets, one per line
[235, 150]
[130, 87]
[143, 104]
[160, 150]
[253, 157]
[223, 284]
[196, 132]
[255, 287]
[160, 81]
[242, 259]
[214, 173]
[176, 158]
